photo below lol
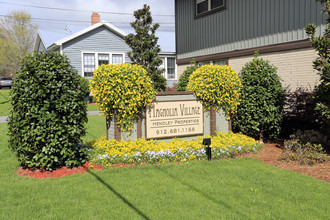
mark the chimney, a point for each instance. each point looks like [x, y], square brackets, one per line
[95, 18]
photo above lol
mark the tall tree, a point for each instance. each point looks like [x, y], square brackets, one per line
[322, 64]
[144, 46]
[16, 40]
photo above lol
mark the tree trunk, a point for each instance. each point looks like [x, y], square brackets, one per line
[108, 123]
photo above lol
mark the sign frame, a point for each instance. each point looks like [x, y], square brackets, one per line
[178, 135]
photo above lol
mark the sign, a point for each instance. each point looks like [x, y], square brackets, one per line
[166, 119]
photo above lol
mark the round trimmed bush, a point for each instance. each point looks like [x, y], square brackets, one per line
[122, 91]
[48, 115]
[217, 86]
[261, 110]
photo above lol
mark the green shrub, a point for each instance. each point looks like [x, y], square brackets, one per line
[47, 117]
[84, 86]
[260, 113]
[322, 62]
[184, 78]
[299, 113]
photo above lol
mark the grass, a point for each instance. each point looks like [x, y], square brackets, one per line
[240, 188]
[95, 128]
[92, 108]
[4, 102]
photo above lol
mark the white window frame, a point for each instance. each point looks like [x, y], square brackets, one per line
[96, 55]
[165, 65]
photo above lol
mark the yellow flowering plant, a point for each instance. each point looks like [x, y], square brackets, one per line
[217, 86]
[122, 91]
[224, 145]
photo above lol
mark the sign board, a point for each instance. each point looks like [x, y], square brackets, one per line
[167, 119]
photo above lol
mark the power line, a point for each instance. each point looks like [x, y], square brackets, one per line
[65, 9]
[86, 21]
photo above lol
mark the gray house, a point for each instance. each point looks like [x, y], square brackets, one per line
[101, 43]
[229, 31]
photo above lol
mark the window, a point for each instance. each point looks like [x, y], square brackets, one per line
[202, 6]
[89, 64]
[103, 59]
[219, 62]
[205, 7]
[170, 67]
[117, 58]
[216, 62]
[91, 60]
[204, 63]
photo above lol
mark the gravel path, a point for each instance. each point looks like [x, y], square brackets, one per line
[3, 119]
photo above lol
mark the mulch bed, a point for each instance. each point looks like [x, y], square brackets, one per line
[270, 154]
[64, 171]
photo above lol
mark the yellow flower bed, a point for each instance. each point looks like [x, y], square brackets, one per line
[151, 151]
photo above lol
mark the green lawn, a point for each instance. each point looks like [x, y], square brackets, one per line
[95, 127]
[92, 108]
[4, 102]
[240, 188]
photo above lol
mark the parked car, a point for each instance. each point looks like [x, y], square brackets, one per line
[6, 82]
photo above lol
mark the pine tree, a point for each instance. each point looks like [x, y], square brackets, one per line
[144, 46]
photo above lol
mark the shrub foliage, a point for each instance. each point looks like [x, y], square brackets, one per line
[321, 63]
[47, 117]
[122, 91]
[304, 153]
[84, 86]
[184, 78]
[217, 86]
[299, 113]
[260, 112]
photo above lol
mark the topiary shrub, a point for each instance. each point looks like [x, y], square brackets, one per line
[260, 112]
[122, 91]
[184, 78]
[217, 86]
[47, 116]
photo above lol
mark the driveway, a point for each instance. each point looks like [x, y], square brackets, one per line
[3, 119]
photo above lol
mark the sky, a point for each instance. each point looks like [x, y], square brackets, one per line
[56, 14]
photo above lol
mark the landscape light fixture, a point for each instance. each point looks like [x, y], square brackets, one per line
[207, 141]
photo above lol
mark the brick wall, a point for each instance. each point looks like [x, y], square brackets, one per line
[295, 67]
[181, 69]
